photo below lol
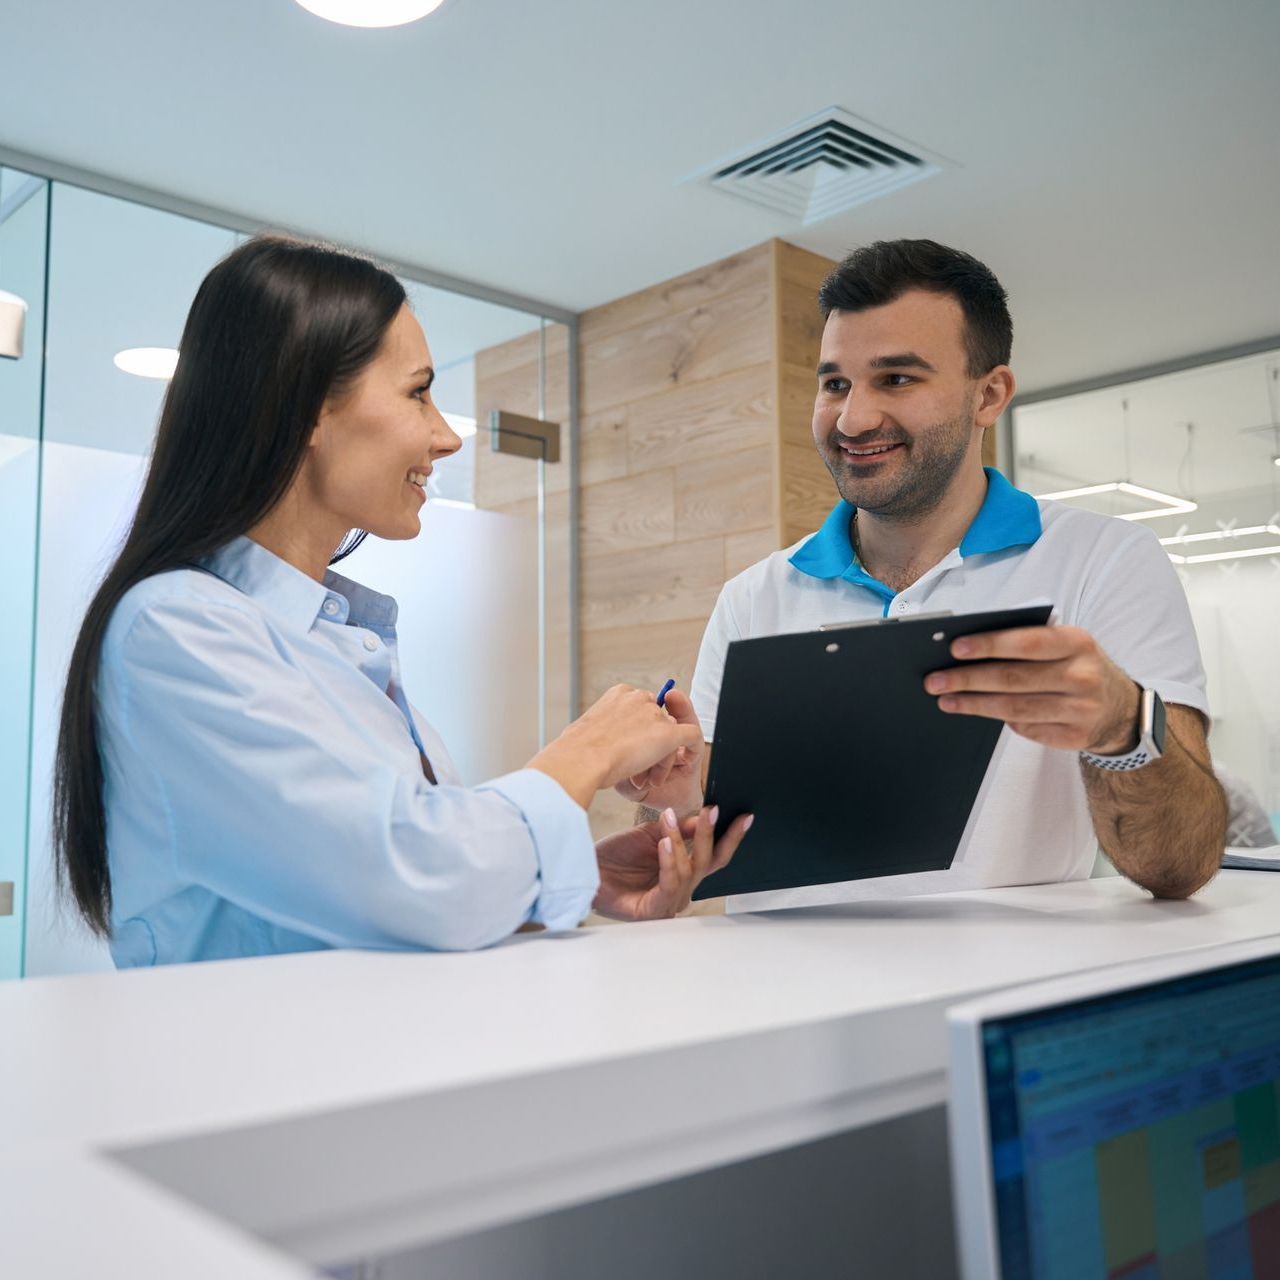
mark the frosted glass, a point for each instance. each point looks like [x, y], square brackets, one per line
[468, 611]
[467, 586]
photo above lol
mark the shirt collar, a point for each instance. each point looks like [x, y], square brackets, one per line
[289, 595]
[1007, 518]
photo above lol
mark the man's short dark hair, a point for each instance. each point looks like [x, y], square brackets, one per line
[882, 272]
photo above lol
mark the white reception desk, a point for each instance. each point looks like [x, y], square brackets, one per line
[212, 1120]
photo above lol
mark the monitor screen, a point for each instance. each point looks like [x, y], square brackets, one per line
[1137, 1135]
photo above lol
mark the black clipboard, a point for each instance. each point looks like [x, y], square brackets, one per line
[850, 768]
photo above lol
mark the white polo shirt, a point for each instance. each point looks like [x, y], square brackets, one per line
[1109, 576]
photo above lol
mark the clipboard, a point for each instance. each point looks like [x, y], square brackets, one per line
[850, 768]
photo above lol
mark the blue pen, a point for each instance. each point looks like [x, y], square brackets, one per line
[662, 693]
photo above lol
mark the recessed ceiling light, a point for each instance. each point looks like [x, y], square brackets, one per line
[148, 362]
[1173, 506]
[371, 13]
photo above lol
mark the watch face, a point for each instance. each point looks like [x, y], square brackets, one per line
[1157, 721]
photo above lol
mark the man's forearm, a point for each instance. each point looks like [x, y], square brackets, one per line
[1163, 826]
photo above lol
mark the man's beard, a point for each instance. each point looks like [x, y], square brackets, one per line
[932, 460]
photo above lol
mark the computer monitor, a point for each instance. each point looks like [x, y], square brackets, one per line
[1122, 1123]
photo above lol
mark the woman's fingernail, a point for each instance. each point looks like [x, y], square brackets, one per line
[669, 817]
[713, 814]
[664, 845]
[746, 826]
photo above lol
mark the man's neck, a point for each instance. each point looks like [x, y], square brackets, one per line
[900, 552]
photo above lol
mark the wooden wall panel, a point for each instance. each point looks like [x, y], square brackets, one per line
[689, 391]
[806, 492]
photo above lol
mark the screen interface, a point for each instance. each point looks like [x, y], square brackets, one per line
[1138, 1135]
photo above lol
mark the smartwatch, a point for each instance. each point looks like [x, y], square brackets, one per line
[1151, 723]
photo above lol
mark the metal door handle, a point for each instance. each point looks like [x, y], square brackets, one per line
[6, 897]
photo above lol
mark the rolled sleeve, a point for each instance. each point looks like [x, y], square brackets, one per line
[568, 876]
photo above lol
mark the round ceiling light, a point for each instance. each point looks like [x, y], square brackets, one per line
[371, 13]
[148, 362]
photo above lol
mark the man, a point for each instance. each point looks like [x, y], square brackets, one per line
[913, 370]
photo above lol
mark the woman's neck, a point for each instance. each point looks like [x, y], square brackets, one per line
[308, 545]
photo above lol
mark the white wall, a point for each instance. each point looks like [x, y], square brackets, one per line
[1237, 611]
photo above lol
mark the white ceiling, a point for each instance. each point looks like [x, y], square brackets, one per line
[1117, 161]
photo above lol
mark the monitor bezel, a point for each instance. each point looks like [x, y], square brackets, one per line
[972, 1185]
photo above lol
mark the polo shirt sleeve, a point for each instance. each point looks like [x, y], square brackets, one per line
[709, 673]
[1136, 609]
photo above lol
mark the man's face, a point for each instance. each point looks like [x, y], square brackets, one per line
[894, 418]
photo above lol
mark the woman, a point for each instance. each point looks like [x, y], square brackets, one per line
[239, 771]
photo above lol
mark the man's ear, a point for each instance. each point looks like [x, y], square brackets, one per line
[995, 390]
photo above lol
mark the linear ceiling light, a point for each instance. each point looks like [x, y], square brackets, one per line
[1221, 535]
[147, 362]
[371, 13]
[1172, 506]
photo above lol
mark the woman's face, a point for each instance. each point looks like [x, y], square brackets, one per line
[375, 444]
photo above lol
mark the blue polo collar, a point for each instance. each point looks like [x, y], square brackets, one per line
[1007, 518]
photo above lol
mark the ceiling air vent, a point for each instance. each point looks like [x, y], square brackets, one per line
[822, 166]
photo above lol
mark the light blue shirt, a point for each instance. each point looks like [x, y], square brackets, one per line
[264, 791]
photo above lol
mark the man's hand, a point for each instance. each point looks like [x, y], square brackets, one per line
[1053, 685]
[1164, 825]
[675, 782]
[648, 872]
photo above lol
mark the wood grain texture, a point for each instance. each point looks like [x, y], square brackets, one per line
[620, 515]
[675, 583]
[723, 334]
[717, 418]
[809, 492]
[603, 443]
[726, 496]
[639, 655]
[742, 550]
[742, 272]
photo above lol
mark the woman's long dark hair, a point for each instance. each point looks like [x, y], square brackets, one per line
[276, 327]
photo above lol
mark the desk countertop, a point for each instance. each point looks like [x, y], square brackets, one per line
[338, 1103]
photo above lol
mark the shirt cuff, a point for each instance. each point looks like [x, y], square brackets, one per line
[568, 873]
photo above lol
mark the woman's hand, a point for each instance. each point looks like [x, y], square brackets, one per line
[648, 873]
[623, 734]
[675, 782]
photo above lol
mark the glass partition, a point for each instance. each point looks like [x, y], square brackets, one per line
[120, 276]
[24, 208]
[1195, 454]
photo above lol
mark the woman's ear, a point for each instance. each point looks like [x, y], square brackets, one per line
[320, 429]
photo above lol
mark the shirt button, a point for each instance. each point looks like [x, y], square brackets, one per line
[331, 607]
[371, 643]
[902, 606]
